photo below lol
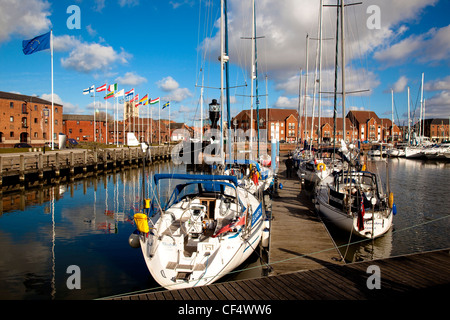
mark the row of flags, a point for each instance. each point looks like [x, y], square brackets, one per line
[112, 91]
[43, 42]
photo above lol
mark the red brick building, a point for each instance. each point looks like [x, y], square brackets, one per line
[81, 128]
[28, 119]
[282, 124]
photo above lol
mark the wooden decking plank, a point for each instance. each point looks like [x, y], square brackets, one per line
[184, 294]
[267, 293]
[331, 284]
[211, 294]
[411, 268]
[239, 287]
[288, 281]
[176, 295]
[280, 283]
[220, 287]
[300, 280]
[401, 275]
[273, 287]
[192, 293]
[233, 291]
[199, 292]
[258, 294]
[339, 283]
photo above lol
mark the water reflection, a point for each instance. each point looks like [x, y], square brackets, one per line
[84, 223]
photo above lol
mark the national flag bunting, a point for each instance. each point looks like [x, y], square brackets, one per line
[154, 101]
[36, 44]
[109, 95]
[129, 95]
[165, 105]
[144, 98]
[112, 87]
[89, 90]
[102, 88]
[119, 93]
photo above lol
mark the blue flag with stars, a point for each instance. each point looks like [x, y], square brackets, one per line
[36, 44]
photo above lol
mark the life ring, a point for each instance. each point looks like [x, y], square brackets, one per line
[321, 167]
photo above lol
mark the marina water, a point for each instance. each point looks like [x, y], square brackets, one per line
[87, 223]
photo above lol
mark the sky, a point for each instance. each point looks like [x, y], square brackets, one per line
[170, 49]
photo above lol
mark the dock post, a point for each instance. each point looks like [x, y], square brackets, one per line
[1, 171]
[122, 161]
[41, 166]
[22, 168]
[57, 164]
[115, 158]
[95, 161]
[72, 164]
[84, 161]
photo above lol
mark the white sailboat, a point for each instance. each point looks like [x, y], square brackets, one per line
[208, 227]
[354, 202]
[342, 198]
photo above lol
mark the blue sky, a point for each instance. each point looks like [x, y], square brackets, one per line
[158, 47]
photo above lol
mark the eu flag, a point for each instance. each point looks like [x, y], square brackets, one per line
[36, 44]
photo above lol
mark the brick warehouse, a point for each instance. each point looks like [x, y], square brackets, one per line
[24, 119]
[282, 124]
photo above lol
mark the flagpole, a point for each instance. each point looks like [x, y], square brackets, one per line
[148, 103]
[53, 120]
[169, 125]
[151, 126]
[159, 126]
[106, 114]
[95, 138]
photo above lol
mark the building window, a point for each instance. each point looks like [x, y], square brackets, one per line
[81, 130]
[70, 130]
[56, 110]
[56, 121]
[35, 107]
[11, 134]
[11, 105]
[35, 134]
[24, 122]
[11, 119]
[24, 108]
[35, 120]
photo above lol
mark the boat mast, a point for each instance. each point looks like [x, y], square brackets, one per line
[319, 129]
[343, 67]
[221, 74]
[256, 74]
[252, 78]
[409, 121]
[227, 81]
[392, 127]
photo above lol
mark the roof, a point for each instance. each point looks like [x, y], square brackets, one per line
[274, 114]
[363, 116]
[22, 97]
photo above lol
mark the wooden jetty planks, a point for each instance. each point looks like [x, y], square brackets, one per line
[335, 282]
[299, 240]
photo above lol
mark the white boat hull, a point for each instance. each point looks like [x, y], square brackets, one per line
[177, 260]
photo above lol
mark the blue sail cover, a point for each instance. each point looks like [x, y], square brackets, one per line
[196, 177]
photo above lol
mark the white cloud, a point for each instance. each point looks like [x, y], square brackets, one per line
[131, 78]
[432, 46]
[437, 85]
[89, 57]
[28, 18]
[401, 84]
[178, 95]
[130, 3]
[67, 106]
[168, 84]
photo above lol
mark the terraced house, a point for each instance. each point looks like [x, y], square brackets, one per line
[28, 119]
